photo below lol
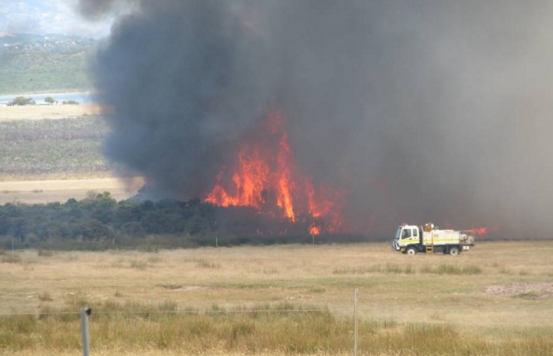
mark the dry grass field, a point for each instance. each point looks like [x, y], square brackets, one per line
[494, 300]
[52, 161]
[48, 191]
[41, 112]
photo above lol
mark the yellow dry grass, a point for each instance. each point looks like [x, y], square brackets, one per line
[505, 294]
[40, 112]
[60, 190]
[156, 352]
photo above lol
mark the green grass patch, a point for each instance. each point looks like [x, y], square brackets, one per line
[201, 263]
[45, 297]
[23, 72]
[451, 269]
[139, 265]
[40, 147]
[388, 268]
[45, 253]
[11, 257]
[531, 295]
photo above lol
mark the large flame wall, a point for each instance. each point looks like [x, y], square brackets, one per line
[265, 175]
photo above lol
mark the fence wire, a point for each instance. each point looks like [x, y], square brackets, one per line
[323, 309]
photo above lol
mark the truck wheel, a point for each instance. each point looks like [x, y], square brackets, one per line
[454, 250]
[411, 251]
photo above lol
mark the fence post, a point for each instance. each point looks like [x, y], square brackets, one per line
[85, 312]
[355, 323]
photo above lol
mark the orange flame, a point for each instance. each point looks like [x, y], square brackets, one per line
[285, 185]
[314, 230]
[479, 230]
[248, 180]
[265, 173]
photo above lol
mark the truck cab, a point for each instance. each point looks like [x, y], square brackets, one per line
[407, 235]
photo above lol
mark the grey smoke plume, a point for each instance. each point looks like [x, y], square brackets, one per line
[96, 9]
[423, 110]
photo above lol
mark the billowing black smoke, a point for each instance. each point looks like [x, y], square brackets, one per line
[422, 110]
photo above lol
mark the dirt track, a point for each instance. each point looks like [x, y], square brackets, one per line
[48, 191]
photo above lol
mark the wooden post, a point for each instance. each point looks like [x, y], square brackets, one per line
[85, 312]
[355, 323]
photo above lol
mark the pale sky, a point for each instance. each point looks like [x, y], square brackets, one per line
[48, 17]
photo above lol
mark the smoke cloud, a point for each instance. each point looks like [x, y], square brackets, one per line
[422, 110]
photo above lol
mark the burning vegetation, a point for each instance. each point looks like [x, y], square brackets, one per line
[264, 175]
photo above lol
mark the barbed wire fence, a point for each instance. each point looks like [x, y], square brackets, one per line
[86, 312]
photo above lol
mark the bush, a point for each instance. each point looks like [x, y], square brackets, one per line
[21, 101]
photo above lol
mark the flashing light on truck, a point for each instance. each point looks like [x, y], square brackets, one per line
[412, 239]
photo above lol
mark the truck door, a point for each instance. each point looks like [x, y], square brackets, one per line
[406, 234]
[409, 236]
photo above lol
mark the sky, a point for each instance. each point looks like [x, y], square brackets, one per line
[43, 17]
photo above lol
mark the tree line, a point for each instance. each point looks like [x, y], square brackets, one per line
[23, 101]
[101, 219]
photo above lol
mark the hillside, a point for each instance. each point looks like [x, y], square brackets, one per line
[23, 72]
[43, 63]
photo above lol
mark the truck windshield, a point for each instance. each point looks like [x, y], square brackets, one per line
[398, 233]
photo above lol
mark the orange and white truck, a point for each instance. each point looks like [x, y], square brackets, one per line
[412, 239]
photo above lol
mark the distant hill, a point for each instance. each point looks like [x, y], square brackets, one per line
[12, 38]
[32, 63]
[22, 38]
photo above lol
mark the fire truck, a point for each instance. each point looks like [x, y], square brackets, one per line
[412, 239]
